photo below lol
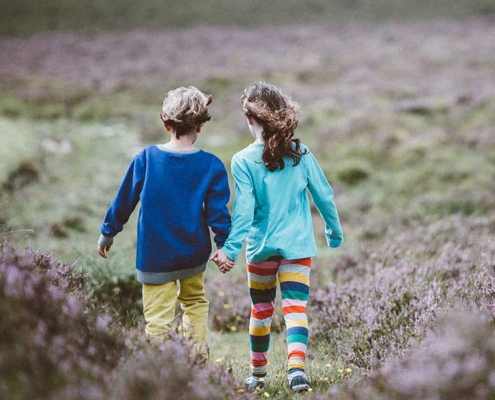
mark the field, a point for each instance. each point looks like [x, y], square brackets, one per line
[399, 110]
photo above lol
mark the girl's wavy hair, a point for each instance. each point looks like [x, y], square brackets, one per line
[277, 114]
[184, 108]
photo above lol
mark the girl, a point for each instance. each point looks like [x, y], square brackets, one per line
[272, 212]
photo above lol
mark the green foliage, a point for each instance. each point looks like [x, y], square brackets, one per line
[353, 173]
[24, 174]
[121, 294]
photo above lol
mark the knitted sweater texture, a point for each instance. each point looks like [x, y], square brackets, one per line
[182, 195]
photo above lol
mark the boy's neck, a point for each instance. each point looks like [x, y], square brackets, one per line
[185, 142]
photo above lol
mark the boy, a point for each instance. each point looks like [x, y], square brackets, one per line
[183, 190]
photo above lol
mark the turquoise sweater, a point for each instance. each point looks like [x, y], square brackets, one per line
[272, 210]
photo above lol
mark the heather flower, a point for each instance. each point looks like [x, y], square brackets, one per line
[389, 295]
[49, 346]
[455, 361]
[169, 371]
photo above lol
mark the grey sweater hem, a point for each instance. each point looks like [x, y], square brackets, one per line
[159, 278]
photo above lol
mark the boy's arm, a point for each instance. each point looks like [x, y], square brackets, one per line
[322, 195]
[124, 202]
[217, 213]
[244, 203]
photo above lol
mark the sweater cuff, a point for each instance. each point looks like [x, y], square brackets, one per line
[230, 254]
[105, 241]
[335, 242]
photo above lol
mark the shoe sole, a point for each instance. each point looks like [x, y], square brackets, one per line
[253, 389]
[301, 388]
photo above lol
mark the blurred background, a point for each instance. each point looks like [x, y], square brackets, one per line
[26, 16]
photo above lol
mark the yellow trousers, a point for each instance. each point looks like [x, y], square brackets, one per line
[159, 307]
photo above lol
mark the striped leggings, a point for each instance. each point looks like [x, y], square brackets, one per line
[293, 276]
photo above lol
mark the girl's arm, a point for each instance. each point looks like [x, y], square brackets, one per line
[217, 198]
[322, 195]
[242, 219]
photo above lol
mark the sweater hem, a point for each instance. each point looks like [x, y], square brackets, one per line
[159, 278]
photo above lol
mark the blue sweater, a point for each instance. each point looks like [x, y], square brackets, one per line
[182, 194]
[272, 210]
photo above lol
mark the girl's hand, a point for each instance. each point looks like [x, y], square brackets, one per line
[224, 268]
[224, 263]
[101, 250]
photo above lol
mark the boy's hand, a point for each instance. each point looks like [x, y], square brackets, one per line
[224, 263]
[101, 250]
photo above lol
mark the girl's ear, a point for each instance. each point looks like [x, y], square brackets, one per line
[250, 120]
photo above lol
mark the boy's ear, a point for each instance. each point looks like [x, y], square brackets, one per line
[198, 127]
[250, 120]
[168, 127]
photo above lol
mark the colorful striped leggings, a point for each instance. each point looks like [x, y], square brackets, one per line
[294, 285]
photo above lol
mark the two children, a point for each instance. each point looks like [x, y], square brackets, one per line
[271, 212]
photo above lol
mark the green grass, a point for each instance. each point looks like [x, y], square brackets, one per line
[27, 17]
[79, 169]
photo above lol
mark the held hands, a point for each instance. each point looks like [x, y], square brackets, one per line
[224, 263]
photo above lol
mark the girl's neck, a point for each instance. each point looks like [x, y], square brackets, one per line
[256, 131]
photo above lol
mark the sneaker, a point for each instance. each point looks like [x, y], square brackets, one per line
[253, 382]
[300, 384]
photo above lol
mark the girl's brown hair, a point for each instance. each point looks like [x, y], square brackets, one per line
[277, 114]
[184, 108]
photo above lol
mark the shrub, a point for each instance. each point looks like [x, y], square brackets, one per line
[120, 293]
[388, 295]
[353, 174]
[455, 361]
[49, 347]
[455, 202]
[24, 174]
[168, 371]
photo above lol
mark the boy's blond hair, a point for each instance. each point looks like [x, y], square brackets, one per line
[184, 108]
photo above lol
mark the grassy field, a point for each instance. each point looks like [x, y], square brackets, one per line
[399, 113]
